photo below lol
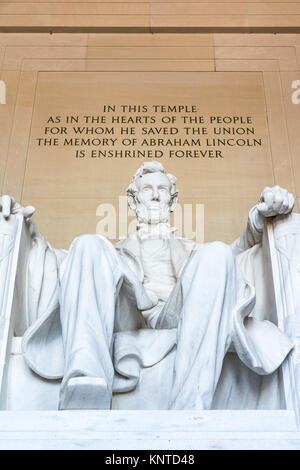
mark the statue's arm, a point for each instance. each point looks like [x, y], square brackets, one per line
[9, 206]
[40, 266]
[252, 234]
[272, 202]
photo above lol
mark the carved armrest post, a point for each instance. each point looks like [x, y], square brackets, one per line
[284, 243]
[10, 242]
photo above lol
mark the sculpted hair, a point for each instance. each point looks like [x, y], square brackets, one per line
[150, 167]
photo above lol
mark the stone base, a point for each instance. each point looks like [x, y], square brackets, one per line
[150, 430]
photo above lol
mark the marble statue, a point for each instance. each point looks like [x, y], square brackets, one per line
[97, 313]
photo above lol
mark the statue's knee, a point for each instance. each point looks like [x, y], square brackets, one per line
[88, 243]
[222, 249]
[214, 253]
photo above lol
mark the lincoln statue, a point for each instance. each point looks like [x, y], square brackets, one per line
[103, 311]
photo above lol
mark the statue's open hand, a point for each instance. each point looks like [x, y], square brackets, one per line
[8, 206]
[275, 201]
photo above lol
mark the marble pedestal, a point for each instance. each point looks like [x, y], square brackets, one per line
[150, 430]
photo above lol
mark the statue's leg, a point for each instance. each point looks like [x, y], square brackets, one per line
[210, 288]
[89, 279]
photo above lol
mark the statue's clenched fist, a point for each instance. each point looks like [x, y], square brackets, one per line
[275, 201]
[8, 206]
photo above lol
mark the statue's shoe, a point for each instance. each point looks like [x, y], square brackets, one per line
[85, 393]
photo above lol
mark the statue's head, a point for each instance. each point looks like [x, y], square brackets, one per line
[152, 194]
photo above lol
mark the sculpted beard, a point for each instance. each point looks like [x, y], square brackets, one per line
[153, 213]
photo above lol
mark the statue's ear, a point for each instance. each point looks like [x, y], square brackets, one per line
[173, 201]
[131, 201]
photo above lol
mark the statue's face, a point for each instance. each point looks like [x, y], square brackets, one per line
[153, 198]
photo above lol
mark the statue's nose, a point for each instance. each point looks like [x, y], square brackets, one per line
[155, 195]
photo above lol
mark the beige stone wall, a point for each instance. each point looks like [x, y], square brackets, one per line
[275, 58]
[151, 16]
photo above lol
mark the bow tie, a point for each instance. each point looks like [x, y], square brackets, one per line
[161, 231]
